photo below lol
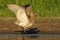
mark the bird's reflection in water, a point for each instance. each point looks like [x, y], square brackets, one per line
[31, 32]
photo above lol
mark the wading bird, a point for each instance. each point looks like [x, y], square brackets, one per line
[25, 17]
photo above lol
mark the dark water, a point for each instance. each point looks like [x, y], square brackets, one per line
[32, 32]
[25, 35]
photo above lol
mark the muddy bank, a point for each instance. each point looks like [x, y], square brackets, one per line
[50, 26]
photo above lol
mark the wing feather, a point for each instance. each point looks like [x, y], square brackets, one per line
[14, 7]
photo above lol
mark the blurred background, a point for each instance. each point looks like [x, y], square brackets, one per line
[42, 8]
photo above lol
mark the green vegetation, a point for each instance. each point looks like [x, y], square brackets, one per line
[42, 8]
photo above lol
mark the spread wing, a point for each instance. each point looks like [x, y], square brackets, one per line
[14, 7]
[29, 13]
[27, 8]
